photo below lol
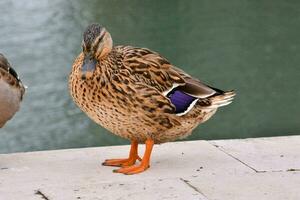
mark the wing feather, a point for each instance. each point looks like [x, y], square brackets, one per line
[150, 68]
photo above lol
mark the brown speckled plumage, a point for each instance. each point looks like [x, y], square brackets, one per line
[126, 92]
[11, 91]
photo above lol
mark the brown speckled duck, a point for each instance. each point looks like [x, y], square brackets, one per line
[139, 95]
[11, 91]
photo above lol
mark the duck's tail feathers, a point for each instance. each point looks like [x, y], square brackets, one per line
[222, 99]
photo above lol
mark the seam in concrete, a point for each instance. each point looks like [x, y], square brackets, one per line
[257, 171]
[41, 194]
[221, 149]
[193, 187]
[279, 171]
[293, 170]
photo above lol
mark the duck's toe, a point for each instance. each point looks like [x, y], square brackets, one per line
[121, 162]
[132, 169]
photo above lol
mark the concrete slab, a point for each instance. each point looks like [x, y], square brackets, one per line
[23, 172]
[168, 160]
[147, 189]
[265, 154]
[262, 186]
[180, 170]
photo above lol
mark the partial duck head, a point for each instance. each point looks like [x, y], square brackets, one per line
[4, 64]
[96, 44]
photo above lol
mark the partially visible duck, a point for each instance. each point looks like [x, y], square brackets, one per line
[139, 95]
[11, 91]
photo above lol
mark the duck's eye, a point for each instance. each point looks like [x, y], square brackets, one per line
[100, 38]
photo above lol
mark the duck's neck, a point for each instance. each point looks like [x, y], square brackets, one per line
[110, 59]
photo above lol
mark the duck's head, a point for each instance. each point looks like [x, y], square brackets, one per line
[96, 44]
[4, 64]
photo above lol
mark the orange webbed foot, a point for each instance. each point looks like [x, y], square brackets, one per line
[133, 156]
[132, 169]
[121, 162]
[135, 169]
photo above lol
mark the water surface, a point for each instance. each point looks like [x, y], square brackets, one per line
[250, 46]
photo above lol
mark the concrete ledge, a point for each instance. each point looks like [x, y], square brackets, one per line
[262, 168]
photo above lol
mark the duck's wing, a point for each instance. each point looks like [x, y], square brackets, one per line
[152, 69]
[183, 91]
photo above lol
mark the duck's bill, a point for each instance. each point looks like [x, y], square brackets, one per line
[88, 67]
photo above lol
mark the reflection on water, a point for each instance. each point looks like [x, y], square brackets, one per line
[251, 47]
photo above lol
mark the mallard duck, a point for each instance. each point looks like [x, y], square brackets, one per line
[139, 95]
[11, 91]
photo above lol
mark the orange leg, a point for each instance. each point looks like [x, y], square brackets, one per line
[133, 156]
[144, 164]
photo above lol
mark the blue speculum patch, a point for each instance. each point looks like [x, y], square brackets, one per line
[181, 100]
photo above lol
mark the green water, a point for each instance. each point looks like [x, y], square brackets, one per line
[250, 46]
